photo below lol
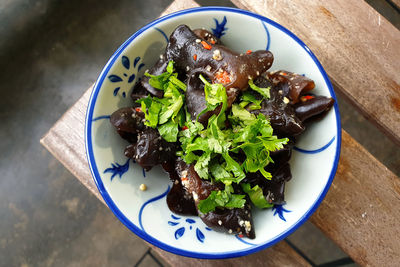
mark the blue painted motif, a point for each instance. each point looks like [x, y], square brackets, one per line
[219, 27]
[268, 36]
[148, 202]
[244, 241]
[191, 221]
[173, 223]
[316, 150]
[199, 234]
[135, 62]
[163, 33]
[279, 209]
[114, 78]
[117, 169]
[125, 62]
[101, 118]
[179, 232]
[125, 78]
[144, 172]
[116, 91]
[174, 217]
[140, 66]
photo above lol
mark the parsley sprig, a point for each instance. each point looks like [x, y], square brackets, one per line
[166, 113]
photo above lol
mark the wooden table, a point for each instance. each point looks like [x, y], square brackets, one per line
[361, 53]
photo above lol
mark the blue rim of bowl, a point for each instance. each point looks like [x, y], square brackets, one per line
[137, 230]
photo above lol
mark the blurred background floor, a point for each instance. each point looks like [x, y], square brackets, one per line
[50, 53]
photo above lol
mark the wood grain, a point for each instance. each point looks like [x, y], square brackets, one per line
[396, 3]
[65, 140]
[361, 211]
[359, 49]
[278, 255]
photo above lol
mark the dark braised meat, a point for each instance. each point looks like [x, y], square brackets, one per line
[151, 150]
[236, 221]
[282, 116]
[310, 106]
[128, 122]
[223, 65]
[293, 85]
[180, 201]
[207, 36]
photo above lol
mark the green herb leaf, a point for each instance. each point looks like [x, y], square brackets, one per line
[221, 199]
[262, 91]
[169, 131]
[256, 196]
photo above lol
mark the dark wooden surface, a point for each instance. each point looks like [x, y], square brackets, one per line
[361, 212]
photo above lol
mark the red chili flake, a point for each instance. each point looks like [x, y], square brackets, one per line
[306, 97]
[138, 109]
[206, 45]
[212, 41]
[222, 77]
[185, 127]
[195, 57]
[184, 179]
[283, 73]
[241, 236]
[248, 52]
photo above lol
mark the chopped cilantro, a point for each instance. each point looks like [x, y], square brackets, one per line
[221, 198]
[256, 196]
[214, 150]
[262, 91]
[166, 113]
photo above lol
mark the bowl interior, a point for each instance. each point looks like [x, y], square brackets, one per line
[313, 163]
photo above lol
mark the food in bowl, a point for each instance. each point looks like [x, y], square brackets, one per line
[221, 125]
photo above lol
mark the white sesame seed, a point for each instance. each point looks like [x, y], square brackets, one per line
[187, 68]
[160, 148]
[198, 40]
[280, 92]
[286, 100]
[230, 231]
[219, 222]
[161, 56]
[195, 196]
[249, 77]
[143, 187]
[217, 54]
[208, 68]
[258, 73]
[247, 226]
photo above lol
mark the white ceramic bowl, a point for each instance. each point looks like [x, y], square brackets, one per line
[313, 163]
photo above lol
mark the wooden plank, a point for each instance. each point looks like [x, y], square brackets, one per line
[65, 140]
[280, 254]
[395, 3]
[361, 211]
[358, 48]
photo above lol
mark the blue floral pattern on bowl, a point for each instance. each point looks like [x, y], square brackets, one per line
[181, 230]
[125, 79]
